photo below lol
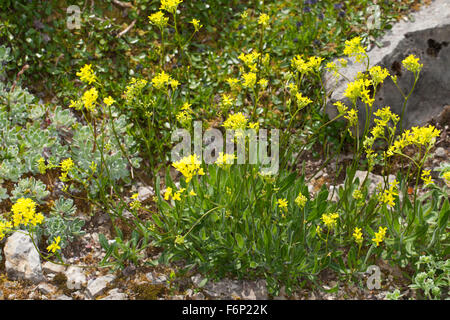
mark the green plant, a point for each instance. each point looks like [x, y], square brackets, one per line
[63, 223]
[434, 281]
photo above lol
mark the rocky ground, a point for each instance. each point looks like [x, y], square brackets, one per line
[24, 275]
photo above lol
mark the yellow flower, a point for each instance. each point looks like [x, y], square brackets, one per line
[282, 204]
[170, 5]
[378, 74]
[89, 98]
[5, 226]
[412, 64]
[263, 83]
[263, 19]
[446, 176]
[179, 240]
[249, 79]
[67, 165]
[330, 219]
[352, 117]
[342, 109]
[176, 196]
[41, 165]
[302, 101]
[233, 83]
[158, 19]
[168, 193]
[24, 212]
[86, 74]
[236, 121]
[225, 160]
[192, 193]
[135, 196]
[388, 196]
[380, 235]
[134, 88]
[301, 200]
[54, 245]
[160, 80]
[426, 177]
[357, 235]
[357, 194]
[353, 48]
[196, 24]
[108, 101]
[189, 167]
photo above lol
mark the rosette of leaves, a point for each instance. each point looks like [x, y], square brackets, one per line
[63, 223]
[30, 188]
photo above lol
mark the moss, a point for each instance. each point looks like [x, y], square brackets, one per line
[149, 291]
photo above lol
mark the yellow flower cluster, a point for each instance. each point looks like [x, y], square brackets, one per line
[426, 177]
[249, 79]
[359, 89]
[353, 48]
[179, 239]
[24, 213]
[90, 98]
[170, 5]
[283, 204]
[135, 204]
[263, 19]
[306, 66]
[134, 88]
[380, 235]
[108, 101]
[446, 176]
[66, 166]
[418, 136]
[357, 194]
[388, 196]
[225, 160]
[236, 121]
[41, 166]
[233, 83]
[162, 80]
[302, 101]
[54, 245]
[177, 195]
[250, 59]
[158, 19]
[378, 74]
[330, 219]
[86, 74]
[358, 236]
[301, 200]
[412, 64]
[5, 226]
[189, 167]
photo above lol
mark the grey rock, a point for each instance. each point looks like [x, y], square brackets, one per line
[1, 295]
[428, 39]
[145, 192]
[374, 180]
[75, 278]
[22, 260]
[95, 287]
[50, 267]
[114, 294]
[63, 297]
[440, 152]
[46, 288]
[234, 289]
